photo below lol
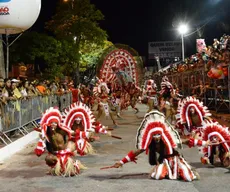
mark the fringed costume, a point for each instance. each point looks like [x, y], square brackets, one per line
[151, 92]
[101, 91]
[214, 144]
[54, 138]
[81, 120]
[191, 116]
[155, 135]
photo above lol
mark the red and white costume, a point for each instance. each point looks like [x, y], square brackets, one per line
[65, 165]
[102, 96]
[219, 150]
[87, 125]
[151, 92]
[166, 88]
[171, 165]
[187, 108]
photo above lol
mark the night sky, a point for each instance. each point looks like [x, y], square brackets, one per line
[136, 22]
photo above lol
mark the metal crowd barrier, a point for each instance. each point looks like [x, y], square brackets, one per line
[16, 115]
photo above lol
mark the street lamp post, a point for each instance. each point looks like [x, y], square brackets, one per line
[183, 29]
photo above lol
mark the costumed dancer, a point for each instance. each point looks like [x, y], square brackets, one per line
[81, 120]
[116, 98]
[54, 138]
[214, 144]
[134, 93]
[86, 95]
[166, 102]
[151, 92]
[101, 91]
[191, 116]
[154, 136]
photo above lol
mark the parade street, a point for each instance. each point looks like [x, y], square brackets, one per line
[26, 172]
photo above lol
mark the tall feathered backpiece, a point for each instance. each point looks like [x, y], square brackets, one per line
[184, 107]
[78, 110]
[215, 130]
[52, 115]
[154, 123]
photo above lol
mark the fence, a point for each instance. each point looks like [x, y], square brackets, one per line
[216, 95]
[17, 114]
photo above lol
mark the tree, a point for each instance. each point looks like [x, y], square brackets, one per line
[91, 53]
[77, 22]
[56, 54]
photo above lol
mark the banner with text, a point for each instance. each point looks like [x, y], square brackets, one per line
[165, 49]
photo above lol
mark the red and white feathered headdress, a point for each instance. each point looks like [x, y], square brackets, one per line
[184, 107]
[97, 88]
[79, 110]
[215, 130]
[165, 84]
[152, 125]
[52, 115]
[151, 83]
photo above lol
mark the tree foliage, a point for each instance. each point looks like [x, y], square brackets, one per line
[77, 22]
[56, 54]
[91, 53]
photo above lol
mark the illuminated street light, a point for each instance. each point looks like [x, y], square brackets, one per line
[182, 29]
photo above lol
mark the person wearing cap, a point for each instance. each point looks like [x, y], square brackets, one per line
[7, 92]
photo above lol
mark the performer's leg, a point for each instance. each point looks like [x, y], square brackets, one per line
[113, 119]
[150, 104]
[71, 146]
[100, 112]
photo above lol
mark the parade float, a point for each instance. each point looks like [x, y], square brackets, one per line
[16, 17]
[204, 74]
[120, 64]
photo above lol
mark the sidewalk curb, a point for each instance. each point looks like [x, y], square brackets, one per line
[17, 145]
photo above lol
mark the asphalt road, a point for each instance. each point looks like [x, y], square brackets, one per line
[26, 172]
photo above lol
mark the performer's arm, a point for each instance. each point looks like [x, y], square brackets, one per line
[40, 149]
[191, 142]
[131, 156]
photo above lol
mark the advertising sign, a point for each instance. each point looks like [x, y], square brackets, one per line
[165, 49]
[17, 16]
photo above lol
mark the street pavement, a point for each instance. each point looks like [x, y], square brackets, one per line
[26, 172]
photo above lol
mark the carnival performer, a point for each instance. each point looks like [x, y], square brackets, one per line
[191, 116]
[154, 136]
[151, 92]
[117, 97]
[101, 91]
[86, 95]
[166, 102]
[54, 138]
[81, 120]
[134, 94]
[214, 144]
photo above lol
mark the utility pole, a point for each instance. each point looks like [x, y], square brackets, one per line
[2, 63]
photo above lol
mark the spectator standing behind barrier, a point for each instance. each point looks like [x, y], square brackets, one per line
[53, 88]
[41, 88]
[1, 87]
[16, 92]
[32, 92]
[7, 92]
[24, 89]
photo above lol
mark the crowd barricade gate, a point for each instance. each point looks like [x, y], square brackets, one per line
[17, 115]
